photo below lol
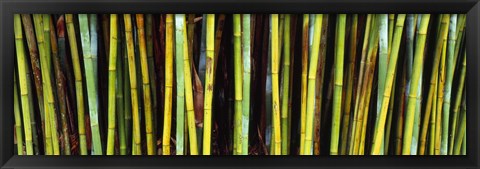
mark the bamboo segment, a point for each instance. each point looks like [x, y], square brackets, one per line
[22, 80]
[209, 79]
[167, 120]
[78, 83]
[311, 84]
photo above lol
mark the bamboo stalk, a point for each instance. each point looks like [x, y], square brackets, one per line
[362, 70]
[440, 98]
[91, 86]
[456, 107]
[78, 83]
[311, 84]
[22, 80]
[18, 117]
[238, 81]
[433, 80]
[319, 86]
[418, 62]
[275, 85]
[167, 120]
[209, 79]
[285, 85]
[133, 85]
[112, 78]
[349, 86]
[390, 74]
[337, 94]
[189, 97]
[120, 99]
[246, 45]
[452, 38]
[303, 95]
[35, 63]
[61, 92]
[180, 110]
[151, 144]
[462, 127]
[362, 107]
[152, 75]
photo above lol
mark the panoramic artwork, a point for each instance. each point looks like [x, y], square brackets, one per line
[239, 84]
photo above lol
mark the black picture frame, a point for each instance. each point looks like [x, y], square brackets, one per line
[7, 47]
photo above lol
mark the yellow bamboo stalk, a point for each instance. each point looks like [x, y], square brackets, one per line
[167, 120]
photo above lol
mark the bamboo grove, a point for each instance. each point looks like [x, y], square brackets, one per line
[240, 84]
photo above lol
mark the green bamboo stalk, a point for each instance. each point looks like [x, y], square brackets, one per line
[18, 116]
[120, 99]
[238, 81]
[303, 95]
[151, 73]
[462, 127]
[311, 84]
[460, 34]
[91, 87]
[246, 81]
[136, 137]
[440, 97]
[127, 103]
[456, 107]
[433, 124]
[112, 78]
[180, 110]
[337, 95]
[418, 62]
[167, 120]
[382, 66]
[78, 83]
[285, 85]
[452, 38]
